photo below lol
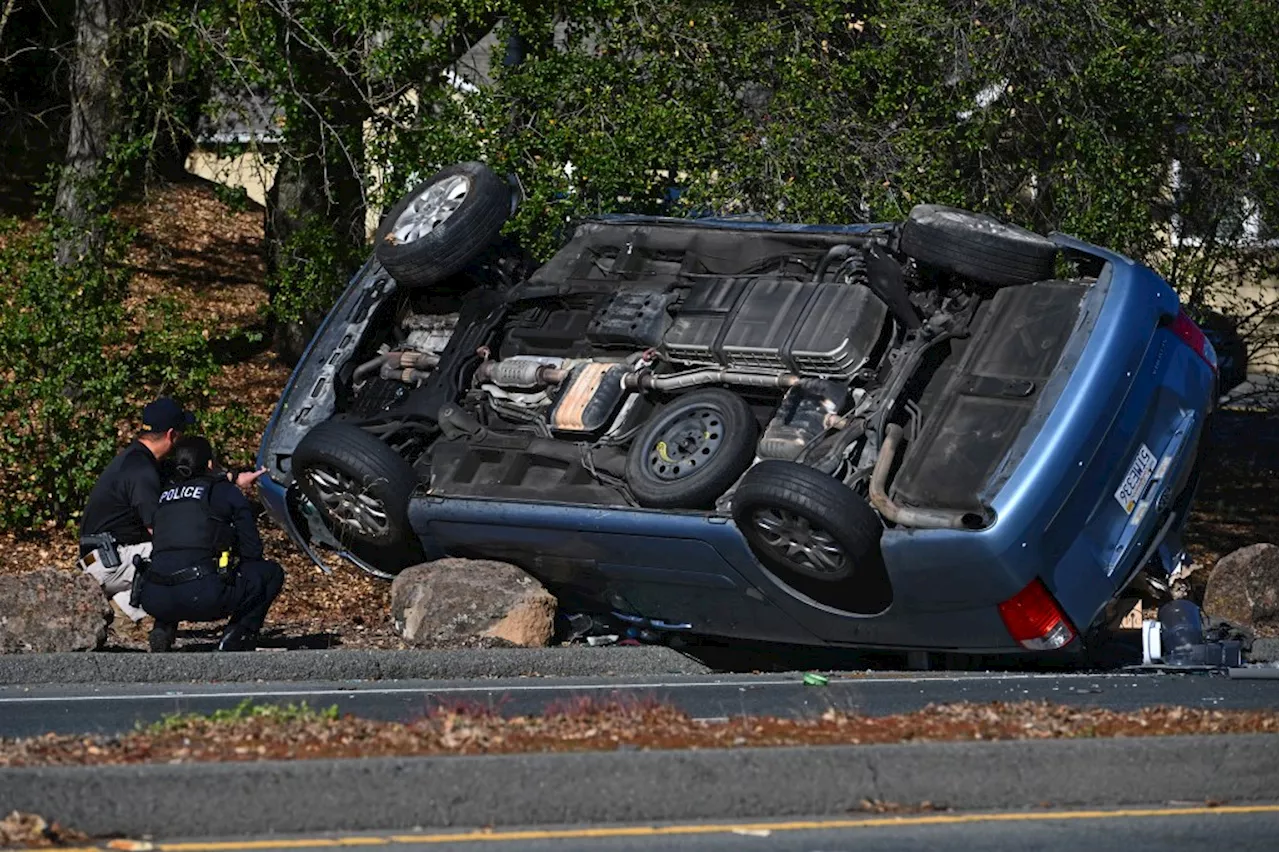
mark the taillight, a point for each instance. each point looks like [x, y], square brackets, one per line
[1033, 618]
[1189, 333]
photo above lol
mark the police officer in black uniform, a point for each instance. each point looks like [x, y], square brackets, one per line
[118, 518]
[206, 556]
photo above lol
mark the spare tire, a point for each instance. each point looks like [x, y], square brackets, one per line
[361, 488]
[443, 224]
[976, 246]
[691, 450]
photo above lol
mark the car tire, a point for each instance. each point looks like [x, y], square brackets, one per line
[361, 488]
[976, 246]
[716, 431]
[443, 224]
[805, 525]
[1229, 346]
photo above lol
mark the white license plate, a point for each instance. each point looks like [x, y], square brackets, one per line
[1135, 481]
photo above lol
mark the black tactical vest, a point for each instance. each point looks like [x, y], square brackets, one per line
[184, 520]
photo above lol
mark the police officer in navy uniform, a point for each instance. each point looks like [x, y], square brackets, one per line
[206, 556]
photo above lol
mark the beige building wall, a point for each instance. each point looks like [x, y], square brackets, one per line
[248, 171]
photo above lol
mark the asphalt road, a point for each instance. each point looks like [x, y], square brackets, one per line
[114, 708]
[1157, 829]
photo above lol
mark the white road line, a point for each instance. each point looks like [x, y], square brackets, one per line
[587, 687]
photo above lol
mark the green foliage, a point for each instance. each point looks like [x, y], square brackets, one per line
[314, 266]
[245, 710]
[77, 363]
[1060, 116]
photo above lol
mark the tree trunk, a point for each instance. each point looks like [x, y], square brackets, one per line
[82, 196]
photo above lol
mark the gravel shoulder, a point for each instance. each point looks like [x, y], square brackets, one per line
[340, 665]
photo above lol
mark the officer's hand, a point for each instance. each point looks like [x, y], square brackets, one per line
[246, 480]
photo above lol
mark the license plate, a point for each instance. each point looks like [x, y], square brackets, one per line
[1135, 481]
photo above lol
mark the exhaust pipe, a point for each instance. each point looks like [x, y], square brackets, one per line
[695, 378]
[948, 519]
[407, 367]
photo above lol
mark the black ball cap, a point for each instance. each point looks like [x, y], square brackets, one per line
[165, 414]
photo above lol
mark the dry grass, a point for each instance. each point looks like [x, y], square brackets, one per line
[591, 726]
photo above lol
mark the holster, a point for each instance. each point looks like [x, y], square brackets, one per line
[105, 544]
[140, 568]
[228, 564]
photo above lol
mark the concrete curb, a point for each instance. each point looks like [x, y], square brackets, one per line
[575, 661]
[194, 800]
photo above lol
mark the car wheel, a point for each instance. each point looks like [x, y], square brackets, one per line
[976, 246]
[1230, 348]
[362, 488]
[804, 524]
[443, 224]
[691, 450]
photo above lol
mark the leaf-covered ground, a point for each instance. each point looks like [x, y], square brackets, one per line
[591, 726]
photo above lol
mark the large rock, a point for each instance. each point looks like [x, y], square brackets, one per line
[50, 610]
[1242, 588]
[450, 600]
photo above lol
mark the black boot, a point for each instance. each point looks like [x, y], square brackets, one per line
[237, 637]
[163, 634]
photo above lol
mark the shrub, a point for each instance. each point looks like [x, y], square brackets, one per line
[77, 361]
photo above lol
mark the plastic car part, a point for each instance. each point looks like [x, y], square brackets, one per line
[976, 246]
[776, 325]
[1189, 333]
[803, 524]
[442, 224]
[1035, 620]
[692, 450]
[361, 487]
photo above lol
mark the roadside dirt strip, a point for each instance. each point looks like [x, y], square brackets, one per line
[221, 799]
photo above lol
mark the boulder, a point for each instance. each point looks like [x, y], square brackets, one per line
[451, 600]
[1242, 588]
[51, 610]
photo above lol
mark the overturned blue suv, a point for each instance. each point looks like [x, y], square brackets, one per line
[944, 434]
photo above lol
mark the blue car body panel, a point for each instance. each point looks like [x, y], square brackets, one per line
[1124, 383]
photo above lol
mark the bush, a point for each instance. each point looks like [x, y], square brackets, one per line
[77, 361]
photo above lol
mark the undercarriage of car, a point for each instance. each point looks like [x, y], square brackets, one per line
[814, 385]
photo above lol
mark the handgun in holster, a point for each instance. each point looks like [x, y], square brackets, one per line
[140, 568]
[104, 544]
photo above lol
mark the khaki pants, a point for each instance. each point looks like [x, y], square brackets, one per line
[117, 582]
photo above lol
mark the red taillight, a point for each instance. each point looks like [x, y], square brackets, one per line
[1033, 618]
[1189, 333]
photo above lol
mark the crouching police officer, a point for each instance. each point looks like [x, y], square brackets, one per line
[206, 556]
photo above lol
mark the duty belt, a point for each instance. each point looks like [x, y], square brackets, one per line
[183, 575]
